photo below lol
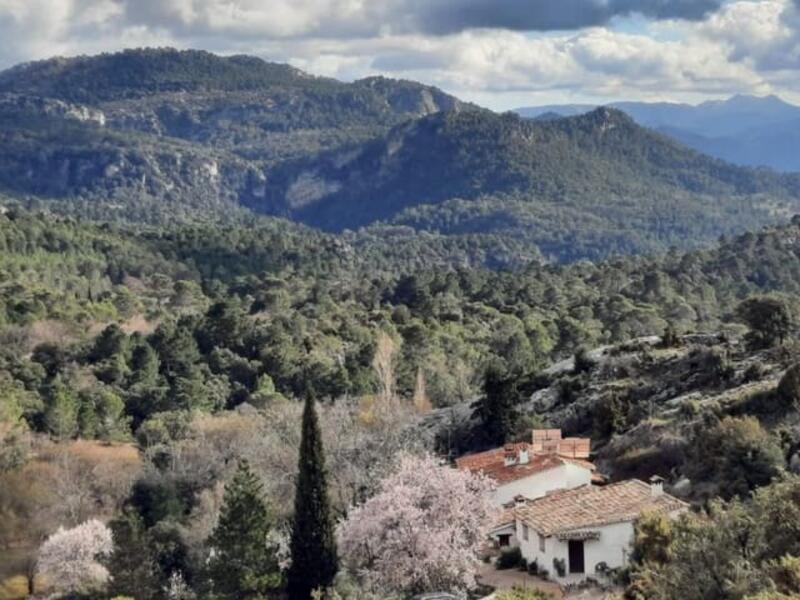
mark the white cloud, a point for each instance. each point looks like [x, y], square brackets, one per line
[743, 46]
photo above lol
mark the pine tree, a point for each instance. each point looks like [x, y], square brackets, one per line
[497, 410]
[244, 564]
[314, 557]
[144, 365]
[132, 565]
[61, 411]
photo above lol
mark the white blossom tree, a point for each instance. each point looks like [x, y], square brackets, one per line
[69, 559]
[422, 531]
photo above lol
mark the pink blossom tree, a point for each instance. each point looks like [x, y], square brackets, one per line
[69, 559]
[421, 532]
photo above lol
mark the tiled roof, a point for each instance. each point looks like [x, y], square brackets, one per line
[593, 506]
[506, 517]
[492, 463]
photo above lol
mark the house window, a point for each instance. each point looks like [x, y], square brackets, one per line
[541, 543]
[504, 540]
[524, 532]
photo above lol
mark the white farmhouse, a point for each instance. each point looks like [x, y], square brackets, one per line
[582, 532]
[525, 471]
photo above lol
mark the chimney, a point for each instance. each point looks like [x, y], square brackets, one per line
[656, 486]
[510, 455]
[524, 459]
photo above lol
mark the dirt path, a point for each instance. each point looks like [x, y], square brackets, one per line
[511, 578]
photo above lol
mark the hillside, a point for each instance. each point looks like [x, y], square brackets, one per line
[257, 109]
[745, 130]
[629, 189]
[138, 364]
[160, 136]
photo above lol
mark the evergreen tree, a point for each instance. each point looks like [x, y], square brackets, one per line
[144, 365]
[61, 411]
[132, 565]
[497, 408]
[769, 320]
[111, 341]
[314, 557]
[243, 564]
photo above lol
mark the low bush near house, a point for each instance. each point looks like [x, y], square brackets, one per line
[509, 558]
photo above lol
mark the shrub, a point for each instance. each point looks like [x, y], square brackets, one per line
[509, 558]
[533, 567]
[560, 565]
[522, 594]
[689, 409]
[754, 372]
[788, 393]
[583, 363]
[670, 338]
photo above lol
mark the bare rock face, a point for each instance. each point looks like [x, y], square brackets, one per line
[20, 105]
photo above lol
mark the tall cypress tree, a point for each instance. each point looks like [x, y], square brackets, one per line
[244, 564]
[314, 558]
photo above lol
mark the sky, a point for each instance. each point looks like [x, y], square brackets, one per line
[499, 53]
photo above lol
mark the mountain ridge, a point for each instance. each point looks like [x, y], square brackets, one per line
[746, 130]
[197, 136]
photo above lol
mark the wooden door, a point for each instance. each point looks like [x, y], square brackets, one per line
[576, 556]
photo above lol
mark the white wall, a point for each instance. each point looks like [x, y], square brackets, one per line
[566, 476]
[510, 529]
[613, 548]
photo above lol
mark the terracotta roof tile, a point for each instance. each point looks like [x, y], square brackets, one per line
[593, 506]
[492, 463]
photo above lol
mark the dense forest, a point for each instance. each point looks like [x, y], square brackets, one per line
[300, 311]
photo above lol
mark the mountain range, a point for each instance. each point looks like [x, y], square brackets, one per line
[745, 130]
[166, 135]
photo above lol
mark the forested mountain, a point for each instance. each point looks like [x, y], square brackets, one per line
[745, 130]
[160, 136]
[624, 188]
[256, 109]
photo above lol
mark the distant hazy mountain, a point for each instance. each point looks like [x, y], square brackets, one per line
[746, 130]
[163, 135]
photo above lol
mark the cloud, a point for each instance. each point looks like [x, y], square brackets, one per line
[764, 34]
[284, 19]
[487, 49]
[450, 16]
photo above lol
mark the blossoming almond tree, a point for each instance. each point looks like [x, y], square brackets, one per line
[422, 531]
[70, 559]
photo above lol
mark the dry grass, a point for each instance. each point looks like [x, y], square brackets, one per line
[139, 324]
[136, 324]
[14, 588]
[95, 452]
[49, 331]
